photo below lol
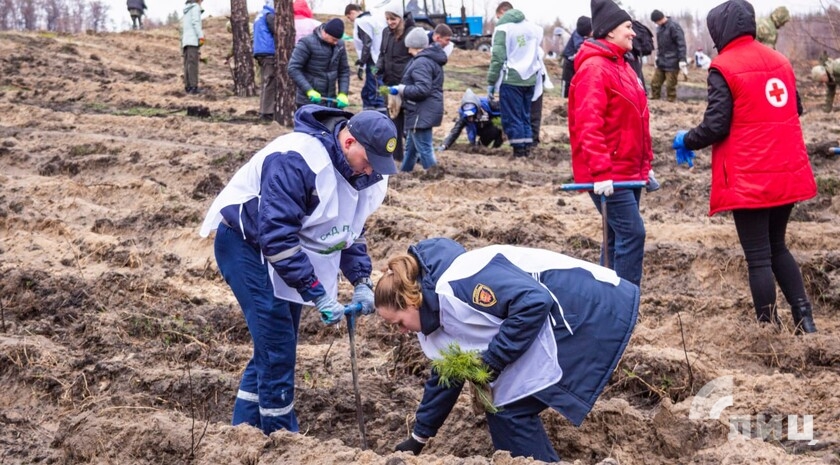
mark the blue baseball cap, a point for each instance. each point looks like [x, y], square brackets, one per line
[378, 135]
[469, 109]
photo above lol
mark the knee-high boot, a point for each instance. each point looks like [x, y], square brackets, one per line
[803, 317]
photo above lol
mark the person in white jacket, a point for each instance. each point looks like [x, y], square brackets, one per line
[367, 39]
[515, 73]
[286, 224]
[192, 38]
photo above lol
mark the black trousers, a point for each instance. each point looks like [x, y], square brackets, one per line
[762, 235]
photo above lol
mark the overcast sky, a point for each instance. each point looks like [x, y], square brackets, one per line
[535, 10]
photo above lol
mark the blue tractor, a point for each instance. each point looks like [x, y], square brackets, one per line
[467, 31]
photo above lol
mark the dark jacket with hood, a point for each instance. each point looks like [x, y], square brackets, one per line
[320, 65]
[602, 327]
[287, 189]
[393, 55]
[762, 161]
[423, 91]
[724, 25]
[136, 4]
[569, 52]
[670, 46]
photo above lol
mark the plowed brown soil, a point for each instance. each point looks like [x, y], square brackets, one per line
[120, 342]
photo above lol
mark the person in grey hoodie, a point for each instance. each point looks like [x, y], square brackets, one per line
[192, 37]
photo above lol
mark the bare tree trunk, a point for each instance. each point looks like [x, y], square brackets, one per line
[243, 60]
[77, 16]
[98, 13]
[284, 41]
[29, 14]
[52, 9]
[7, 15]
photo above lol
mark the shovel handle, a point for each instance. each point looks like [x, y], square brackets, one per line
[588, 186]
[335, 100]
[835, 150]
[352, 309]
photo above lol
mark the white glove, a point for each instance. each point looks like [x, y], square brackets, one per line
[652, 184]
[684, 68]
[603, 188]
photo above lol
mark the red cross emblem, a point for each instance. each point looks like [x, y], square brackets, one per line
[776, 92]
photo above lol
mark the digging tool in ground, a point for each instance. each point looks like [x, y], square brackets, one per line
[350, 313]
[604, 224]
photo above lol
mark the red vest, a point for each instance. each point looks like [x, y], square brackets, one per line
[763, 162]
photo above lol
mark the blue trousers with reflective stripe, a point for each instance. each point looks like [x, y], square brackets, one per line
[517, 428]
[267, 390]
[516, 114]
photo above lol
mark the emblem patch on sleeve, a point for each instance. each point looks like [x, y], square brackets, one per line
[484, 296]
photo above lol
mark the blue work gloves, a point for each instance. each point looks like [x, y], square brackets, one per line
[363, 294]
[413, 444]
[603, 188]
[684, 156]
[398, 89]
[490, 91]
[331, 311]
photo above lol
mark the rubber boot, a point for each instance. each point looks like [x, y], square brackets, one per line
[768, 314]
[803, 318]
[519, 152]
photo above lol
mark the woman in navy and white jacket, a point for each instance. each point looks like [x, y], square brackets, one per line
[550, 328]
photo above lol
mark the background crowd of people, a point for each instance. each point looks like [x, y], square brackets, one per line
[509, 304]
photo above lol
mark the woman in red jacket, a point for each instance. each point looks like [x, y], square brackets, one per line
[760, 167]
[610, 135]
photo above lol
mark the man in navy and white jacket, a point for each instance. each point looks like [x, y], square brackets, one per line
[287, 222]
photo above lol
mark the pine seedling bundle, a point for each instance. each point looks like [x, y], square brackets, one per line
[459, 366]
